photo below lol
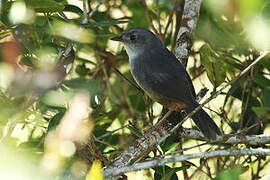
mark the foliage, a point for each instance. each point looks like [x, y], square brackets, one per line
[62, 96]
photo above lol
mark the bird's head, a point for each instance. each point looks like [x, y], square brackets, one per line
[138, 40]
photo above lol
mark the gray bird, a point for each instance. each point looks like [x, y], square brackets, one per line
[158, 72]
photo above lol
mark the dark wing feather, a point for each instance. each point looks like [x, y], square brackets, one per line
[170, 79]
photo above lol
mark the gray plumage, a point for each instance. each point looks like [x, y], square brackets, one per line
[158, 72]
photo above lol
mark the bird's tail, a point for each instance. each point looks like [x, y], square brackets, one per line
[204, 122]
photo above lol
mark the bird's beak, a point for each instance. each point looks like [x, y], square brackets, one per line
[117, 38]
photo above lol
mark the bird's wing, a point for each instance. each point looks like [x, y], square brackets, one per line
[170, 79]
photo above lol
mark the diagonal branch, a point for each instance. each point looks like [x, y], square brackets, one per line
[149, 18]
[96, 8]
[85, 16]
[170, 17]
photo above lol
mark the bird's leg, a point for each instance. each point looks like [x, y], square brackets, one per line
[165, 116]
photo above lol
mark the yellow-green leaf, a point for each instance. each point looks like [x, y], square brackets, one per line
[45, 6]
[213, 64]
[96, 171]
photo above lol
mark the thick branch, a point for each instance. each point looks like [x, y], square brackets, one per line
[143, 145]
[181, 158]
[188, 24]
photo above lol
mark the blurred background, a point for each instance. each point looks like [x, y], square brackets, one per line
[67, 108]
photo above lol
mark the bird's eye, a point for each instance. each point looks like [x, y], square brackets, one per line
[132, 37]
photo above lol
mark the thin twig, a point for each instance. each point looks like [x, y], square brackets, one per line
[96, 8]
[110, 133]
[158, 16]
[85, 16]
[201, 94]
[165, 116]
[235, 79]
[170, 17]
[182, 150]
[128, 80]
[149, 18]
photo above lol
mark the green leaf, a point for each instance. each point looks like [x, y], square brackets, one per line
[261, 80]
[30, 145]
[82, 70]
[45, 6]
[6, 6]
[231, 173]
[266, 97]
[136, 99]
[100, 129]
[29, 61]
[266, 63]
[139, 18]
[261, 111]
[58, 98]
[236, 91]
[213, 64]
[170, 143]
[104, 23]
[73, 8]
[168, 173]
[55, 120]
[41, 22]
[92, 86]
[266, 10]
[134, 131]
[27, 36]
[73, 32]
[221, 34]
[252, 7]
[137, 102]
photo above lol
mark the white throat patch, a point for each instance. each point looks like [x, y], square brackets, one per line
[133, 52]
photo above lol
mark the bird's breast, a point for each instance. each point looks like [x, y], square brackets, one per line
[143, 75]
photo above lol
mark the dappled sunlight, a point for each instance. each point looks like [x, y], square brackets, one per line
[75, 127]
[73, 32]
[258, 31]
[19, 13]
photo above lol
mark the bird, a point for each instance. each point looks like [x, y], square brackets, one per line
[163, 77]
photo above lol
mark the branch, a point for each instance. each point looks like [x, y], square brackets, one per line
[142, 146]
[85, 16]
[234, 139]
[149, 18]
[170, 17]
[188, 24]
[181, 158]
[96, 8]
